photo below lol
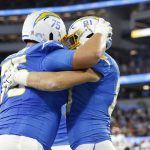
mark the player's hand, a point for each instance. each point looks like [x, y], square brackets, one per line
[103, 27]
[8, 80]
[14, 77]
[94, 77]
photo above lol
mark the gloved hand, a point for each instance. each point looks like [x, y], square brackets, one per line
[105, 29]
[14, 77]
[8, 80]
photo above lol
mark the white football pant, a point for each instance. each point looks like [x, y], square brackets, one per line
[63, 147]
[14, 142]
[105, 145]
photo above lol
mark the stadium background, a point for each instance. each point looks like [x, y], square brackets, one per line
[130, 20]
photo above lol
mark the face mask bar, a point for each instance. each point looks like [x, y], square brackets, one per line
[72, 41]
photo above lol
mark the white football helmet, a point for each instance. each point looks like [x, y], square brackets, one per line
[82, 29]
[42, 26]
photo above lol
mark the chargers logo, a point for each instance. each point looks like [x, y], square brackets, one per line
[44, 15]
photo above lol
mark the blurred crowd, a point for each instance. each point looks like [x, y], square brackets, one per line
[132, 62]
[132, 122]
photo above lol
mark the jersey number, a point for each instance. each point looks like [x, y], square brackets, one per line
[55, 24]
[87, 22]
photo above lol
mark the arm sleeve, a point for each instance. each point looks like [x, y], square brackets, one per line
[59, 60]
[103, 67]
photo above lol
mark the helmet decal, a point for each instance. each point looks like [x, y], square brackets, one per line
[44, 15]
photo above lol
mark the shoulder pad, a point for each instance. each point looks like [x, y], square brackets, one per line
[53, 44]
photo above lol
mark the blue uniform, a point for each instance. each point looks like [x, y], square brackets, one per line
[88, 120]
[29, 112]
[62, 136]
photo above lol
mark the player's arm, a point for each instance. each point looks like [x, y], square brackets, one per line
[56, 81]
[52, 81]
[90, 53]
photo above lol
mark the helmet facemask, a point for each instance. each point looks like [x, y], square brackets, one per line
[73, 41]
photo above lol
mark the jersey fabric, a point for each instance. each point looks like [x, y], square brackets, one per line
[88, 120]
[62, 136]
[29, 112]
[0, 87]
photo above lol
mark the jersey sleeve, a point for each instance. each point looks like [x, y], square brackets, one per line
[59, 60]
[103, 67]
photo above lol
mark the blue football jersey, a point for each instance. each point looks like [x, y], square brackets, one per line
[29, 112]
[62, 136]
[88, 117]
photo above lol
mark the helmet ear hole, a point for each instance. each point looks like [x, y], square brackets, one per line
[51, 36]
[90, 35]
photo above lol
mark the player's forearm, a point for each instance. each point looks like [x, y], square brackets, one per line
[89, 54]
[56, 81]
[94, 46]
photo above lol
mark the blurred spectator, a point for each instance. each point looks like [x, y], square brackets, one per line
[119, 140]
[145, 145]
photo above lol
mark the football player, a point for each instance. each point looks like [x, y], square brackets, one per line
[92, 104]
[29, 118]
